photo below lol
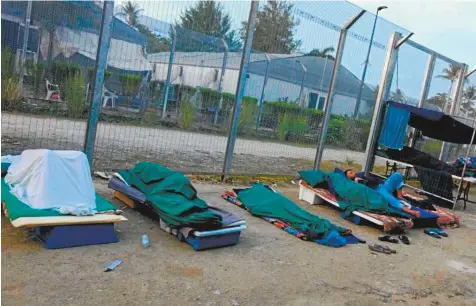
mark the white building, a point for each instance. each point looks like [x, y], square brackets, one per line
[286, 77]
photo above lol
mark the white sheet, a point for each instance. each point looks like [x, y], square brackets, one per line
[45, 179]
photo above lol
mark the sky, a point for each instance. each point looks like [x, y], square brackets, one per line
[448, 27]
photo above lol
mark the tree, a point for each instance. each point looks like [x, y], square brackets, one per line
[274, 31]
[398, 96]
[208, 18]
[450, 74]
[439, 99]
[155, 43]
[322, 53]
[469, 97]
[130, 12]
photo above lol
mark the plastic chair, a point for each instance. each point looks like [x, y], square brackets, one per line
[51, 89]
[107, 95]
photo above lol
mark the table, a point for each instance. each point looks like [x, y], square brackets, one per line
[463, 193]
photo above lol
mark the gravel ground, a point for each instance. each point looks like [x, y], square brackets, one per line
[267, 267]
[119, 146]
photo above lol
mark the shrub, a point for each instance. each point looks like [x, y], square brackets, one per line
[210, 97]
[283, 126]
[130, 83]
[247, 119]
[92, 71]
[75, 95]
[61, 71]
[335, 131]
[10, 79]
[186, 113]
[432, 147]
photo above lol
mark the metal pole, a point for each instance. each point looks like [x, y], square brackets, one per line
[322, 81]
[26, 32]
[454, 107]
[464, 167]
[261, 98]
[220, 84]
[169, 70]
[240, 89]
[330, 92]
[101, 64]
[425, 90]
[302, 81]
[384, 89]
[364, 72]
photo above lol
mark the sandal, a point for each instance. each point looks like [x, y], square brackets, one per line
[379, 249]
[389, 249]
[404, 239]
[388, 239]
[432, 233]
[440, 232]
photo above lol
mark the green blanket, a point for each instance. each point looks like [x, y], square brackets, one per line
[172, 194]
[17, 208]
[263, 202]
[351, 195]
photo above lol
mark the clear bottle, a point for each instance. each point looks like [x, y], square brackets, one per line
[145, 241]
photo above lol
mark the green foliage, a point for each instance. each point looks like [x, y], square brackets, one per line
[130, 83]
[335, 131]
[186, 113]
[75, 95]
[210, 97]
[432, 146]
[61, 71]
[92, 71]
[130, 11]
[10, 79]
[209, 18]
[275, 29]
[283, 126]
[155, 43]
[247, 119]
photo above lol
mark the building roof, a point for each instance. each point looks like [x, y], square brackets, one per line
[210, 59]
[87, 22]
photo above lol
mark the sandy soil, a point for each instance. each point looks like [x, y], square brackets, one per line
[267, 267]
[118, 146]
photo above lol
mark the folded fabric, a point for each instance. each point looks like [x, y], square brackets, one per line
[17, 209]
[172, 195]
[394, 128]
[351, 195]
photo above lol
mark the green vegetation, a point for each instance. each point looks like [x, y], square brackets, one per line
[130, 83]
[10, 79]
[186, 113]
[75, 95]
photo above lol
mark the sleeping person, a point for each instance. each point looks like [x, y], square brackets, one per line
[392, 184]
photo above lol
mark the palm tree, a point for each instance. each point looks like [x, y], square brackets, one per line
[130, 12]
[398, 95]
[322, 53]
[450, 74]
[469, 96]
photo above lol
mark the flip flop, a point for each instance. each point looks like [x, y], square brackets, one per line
[432, 233]
[388, 239]
[389, 249]
[379, 249]
[404, 239]
[440, 232]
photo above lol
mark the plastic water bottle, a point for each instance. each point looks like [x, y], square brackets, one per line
[145, 241]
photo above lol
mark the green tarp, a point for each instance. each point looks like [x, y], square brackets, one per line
[172, 194]
[17, 208]
[351, 195]
[263, 202]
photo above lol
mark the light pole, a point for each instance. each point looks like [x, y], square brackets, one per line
[302, 81]
[359, 96]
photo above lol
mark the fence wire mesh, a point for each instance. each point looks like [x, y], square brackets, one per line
[172, 76]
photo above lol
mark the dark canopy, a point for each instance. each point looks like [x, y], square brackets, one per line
[436, 124]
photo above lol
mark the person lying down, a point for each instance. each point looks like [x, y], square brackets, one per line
[392, 185]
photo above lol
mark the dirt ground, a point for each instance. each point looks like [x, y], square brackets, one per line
[119, 146]
[267, 267]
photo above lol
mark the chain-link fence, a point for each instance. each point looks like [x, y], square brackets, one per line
[171, 82]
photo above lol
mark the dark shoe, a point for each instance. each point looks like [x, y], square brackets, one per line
[388, 239]
[404, 239]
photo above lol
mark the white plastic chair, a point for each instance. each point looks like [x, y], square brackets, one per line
[107, 95]
[51, 89]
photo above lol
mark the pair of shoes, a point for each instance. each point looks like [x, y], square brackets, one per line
[436, 233]
[381, 249]
[402, 238]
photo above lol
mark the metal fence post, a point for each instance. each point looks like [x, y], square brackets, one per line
[101, 64]
[220, 84]
[26, 32]
[304, 70]
[384, 89]
[455, 105]
[424, 91]
[330, 92]
[169, 70]
[261, 98]
[240, 89]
